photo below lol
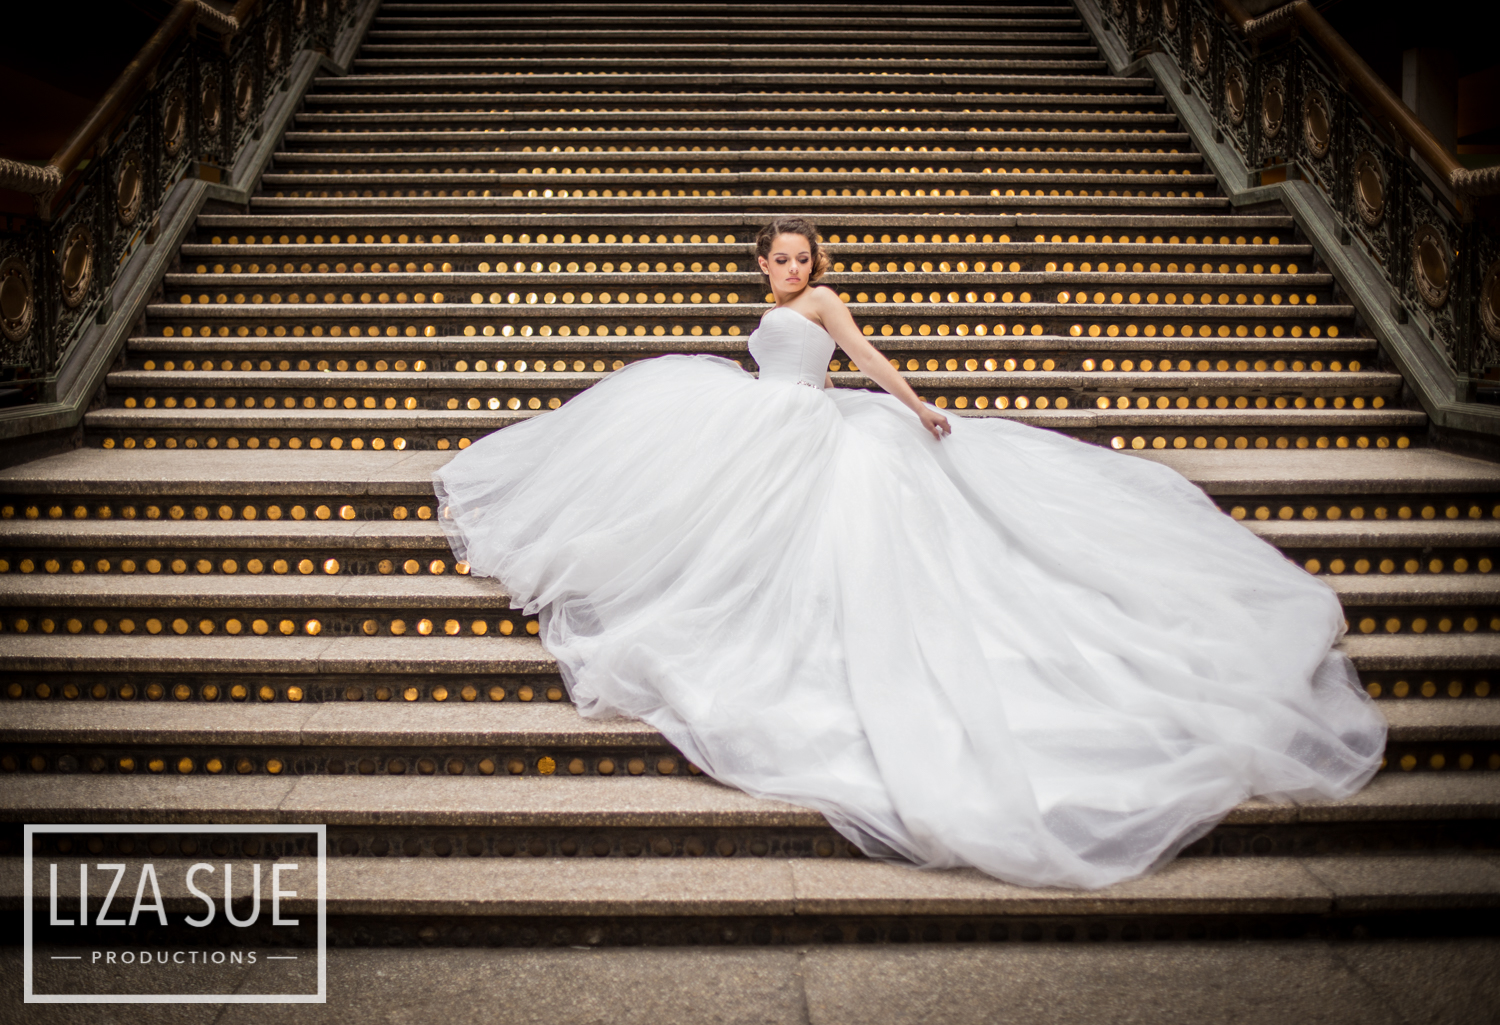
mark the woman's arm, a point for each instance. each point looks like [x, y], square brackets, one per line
[839, 323]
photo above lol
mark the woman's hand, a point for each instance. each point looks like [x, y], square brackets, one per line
[935, 422]
[823, 306]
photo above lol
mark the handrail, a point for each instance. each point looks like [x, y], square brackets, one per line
[44, 181]
[1481, 182]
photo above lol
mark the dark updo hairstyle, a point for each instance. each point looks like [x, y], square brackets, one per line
[792, 226]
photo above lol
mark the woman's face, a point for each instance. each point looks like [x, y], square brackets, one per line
[789, 264]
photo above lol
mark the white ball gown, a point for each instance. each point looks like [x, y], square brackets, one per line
[1006, 649]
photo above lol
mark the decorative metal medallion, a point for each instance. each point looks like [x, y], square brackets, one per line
[273, 46]
[1202, 48]
[77, 260]
[1169, 15]
[244, 93]
[174, 122]
[1489, 302]
[1273, 106]
[1369, 188]
[1142, 11]
[299, 12]
[1234, 93]
[1429, 265]
[17, 306]
[213, 107]
[1317, 124]
[130, 187]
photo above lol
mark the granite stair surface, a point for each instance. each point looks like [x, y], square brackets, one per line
[234, 603]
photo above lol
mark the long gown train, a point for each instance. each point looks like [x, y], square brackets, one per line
[1006, 649]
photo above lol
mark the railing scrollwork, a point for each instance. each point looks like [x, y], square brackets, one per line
[1294, 101]
[191, 102]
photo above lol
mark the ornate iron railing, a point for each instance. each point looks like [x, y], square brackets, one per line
[188, 106]
[1294, 101]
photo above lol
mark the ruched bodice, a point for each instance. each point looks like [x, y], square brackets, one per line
[789, 347]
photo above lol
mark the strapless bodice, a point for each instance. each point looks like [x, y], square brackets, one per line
[789, 347]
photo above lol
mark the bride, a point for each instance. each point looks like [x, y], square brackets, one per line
[966, 642]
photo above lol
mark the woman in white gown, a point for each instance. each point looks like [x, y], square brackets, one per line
[998, 647]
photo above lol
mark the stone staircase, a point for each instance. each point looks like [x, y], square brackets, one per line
[233, 603]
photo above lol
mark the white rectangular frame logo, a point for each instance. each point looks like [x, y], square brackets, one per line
[321, 997]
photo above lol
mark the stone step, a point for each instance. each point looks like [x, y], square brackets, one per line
[1023, 62]
[743, 182]
[485, 724]
[271, 595]
[628, 15]
[317, 586]
[751, 138]
[826, 971]
[677, 228]
[1429, 484]
[317, 590]
[463, 724]
[720, 118]
[740, 36]
[481, 354]
[760, 100]
[1038, 49]
[1058, 50]
[644, 313]
[786, 204]
[435, 388]
[676, 815]
[813, 907]
[541, 18]
[858, 162]
[341, 530]
[541, 32]
[344, 528]
[543, 36]
[359, 545]
[78, 551]
[748, 76]
[441, 430]
[324, 667]
[1079, 283]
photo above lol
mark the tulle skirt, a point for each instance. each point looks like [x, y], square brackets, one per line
[1006, 649]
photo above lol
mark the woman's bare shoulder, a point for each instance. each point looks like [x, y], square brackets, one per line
[823, 299]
